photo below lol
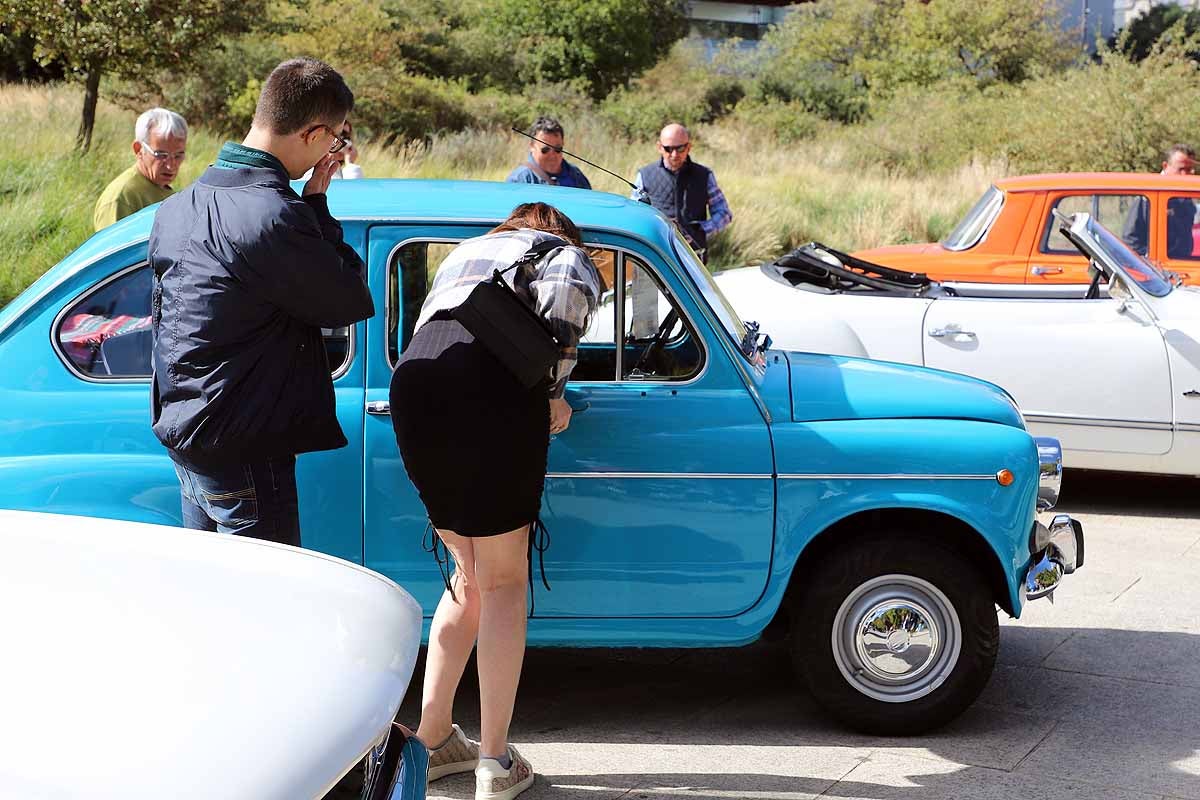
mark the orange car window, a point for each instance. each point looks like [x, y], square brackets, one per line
[1182, 233]
[1126, 214]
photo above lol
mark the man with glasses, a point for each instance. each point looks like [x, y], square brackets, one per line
[247, 273]
[159, 147]
[545, 163]
[684, 190]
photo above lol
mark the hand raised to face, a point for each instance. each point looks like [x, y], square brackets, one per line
[322, 172]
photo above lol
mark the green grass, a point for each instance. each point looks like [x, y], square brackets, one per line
[47, 189]
[781, 194]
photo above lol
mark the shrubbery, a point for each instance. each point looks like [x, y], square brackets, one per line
[683, 87]
[1111, 115]
[839, 58]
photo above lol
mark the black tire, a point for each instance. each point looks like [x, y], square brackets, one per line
[880, 698]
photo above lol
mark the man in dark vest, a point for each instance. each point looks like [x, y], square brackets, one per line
[684, 190]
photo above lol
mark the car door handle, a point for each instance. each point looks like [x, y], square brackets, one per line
[380, 408]
[939, 333]
[1040, 270]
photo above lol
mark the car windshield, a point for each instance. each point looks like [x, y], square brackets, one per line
[1148, 277]
[978, 221]
[708, 287]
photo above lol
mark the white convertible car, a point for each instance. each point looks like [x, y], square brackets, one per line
[143, 661]
[1111, 369]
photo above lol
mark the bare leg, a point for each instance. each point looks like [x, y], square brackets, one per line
[502, 572]
[451, 639]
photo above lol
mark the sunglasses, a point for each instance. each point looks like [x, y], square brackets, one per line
[674, 148]
[546, 149]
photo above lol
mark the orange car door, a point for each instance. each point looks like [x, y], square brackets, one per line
[1055, 260]
[1176, 240]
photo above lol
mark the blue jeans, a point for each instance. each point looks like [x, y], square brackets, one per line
[257, 499]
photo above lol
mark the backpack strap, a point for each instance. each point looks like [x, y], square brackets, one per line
[534, 254]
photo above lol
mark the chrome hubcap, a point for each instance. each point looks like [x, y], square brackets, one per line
[896, 638]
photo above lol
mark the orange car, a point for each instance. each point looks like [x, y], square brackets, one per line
[1009, 235]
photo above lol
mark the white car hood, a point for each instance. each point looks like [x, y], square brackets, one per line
[798, 316]
[142, 661]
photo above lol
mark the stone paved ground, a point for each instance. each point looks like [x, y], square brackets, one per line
[1094, 697]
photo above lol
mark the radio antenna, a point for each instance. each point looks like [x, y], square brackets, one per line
[639, 194]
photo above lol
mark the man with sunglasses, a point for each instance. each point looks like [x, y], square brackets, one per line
[684, 190]
[159, 147]
[545, 163]
[247, 273]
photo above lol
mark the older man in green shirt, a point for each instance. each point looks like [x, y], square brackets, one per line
[159, 147]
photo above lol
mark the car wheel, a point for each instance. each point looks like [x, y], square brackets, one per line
[895, 636]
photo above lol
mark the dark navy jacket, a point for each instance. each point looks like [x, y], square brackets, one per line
[682, 196]
[247, 273]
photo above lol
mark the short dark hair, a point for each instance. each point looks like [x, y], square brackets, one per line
[299, 92]
[546, 125]
[1186, 149]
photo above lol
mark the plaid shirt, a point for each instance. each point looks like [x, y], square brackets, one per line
[564, 288]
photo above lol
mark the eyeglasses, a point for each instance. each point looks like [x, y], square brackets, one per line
[674, 148]
[546, 149]
[163, 155]
[338, 142]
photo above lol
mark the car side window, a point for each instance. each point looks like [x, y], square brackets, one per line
[410, 274]
[657, 341]
[1127, 213]
[106, 334]
[1183, 232]
[633, 302]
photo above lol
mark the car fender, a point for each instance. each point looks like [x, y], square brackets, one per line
[134, 487]
[831, 471]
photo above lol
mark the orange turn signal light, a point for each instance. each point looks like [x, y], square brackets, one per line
[1005, 477]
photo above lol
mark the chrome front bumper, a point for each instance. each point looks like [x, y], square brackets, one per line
[396, 767]
[1057, 551]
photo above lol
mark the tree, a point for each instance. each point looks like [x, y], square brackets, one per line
[597, 45]
[1138, 38]
[832, 56]
[130, 38]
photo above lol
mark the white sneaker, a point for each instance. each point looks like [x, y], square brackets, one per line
[458, 754]
[493, 782]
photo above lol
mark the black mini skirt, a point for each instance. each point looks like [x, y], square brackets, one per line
[473, 439]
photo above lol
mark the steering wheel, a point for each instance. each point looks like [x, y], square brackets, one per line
[659, 338]
[1093, 292]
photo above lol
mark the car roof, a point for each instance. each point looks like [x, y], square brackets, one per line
[408, 200]
[1098, 180]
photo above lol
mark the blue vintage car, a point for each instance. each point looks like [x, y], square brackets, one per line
[709, 488]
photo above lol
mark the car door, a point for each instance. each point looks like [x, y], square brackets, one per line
[659, 497]
[99, 329]
[1085, 371]
[1055, 260]
[1177, 234]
